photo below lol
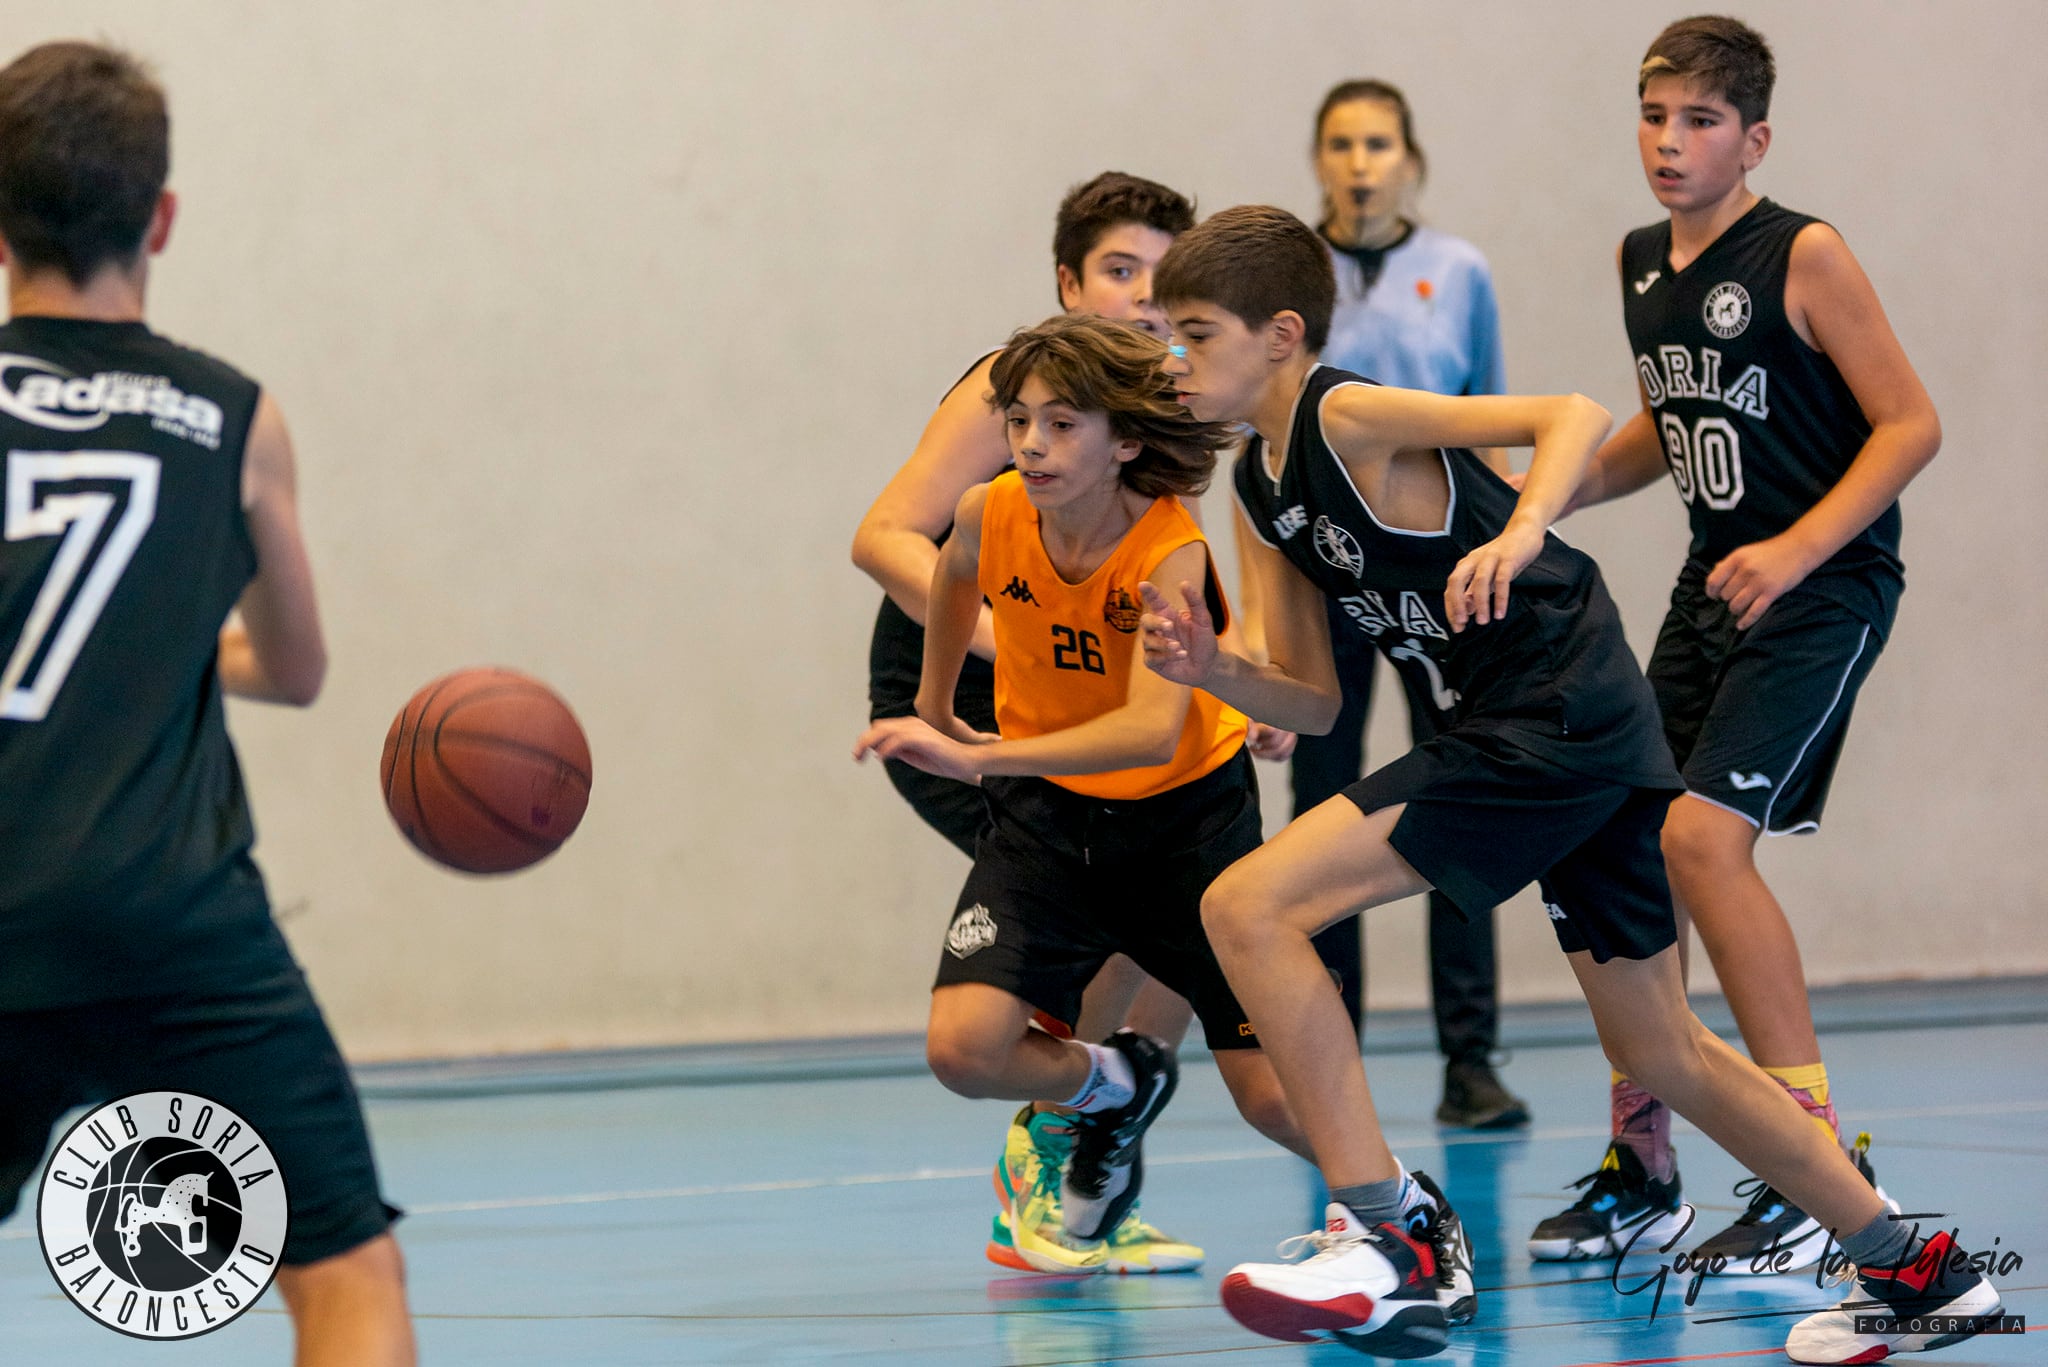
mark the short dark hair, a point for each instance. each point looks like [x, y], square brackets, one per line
[85, 147]
[1094, 207]
[1722, 56]
[1097, 366]
[1254, 260]
[1384, 93]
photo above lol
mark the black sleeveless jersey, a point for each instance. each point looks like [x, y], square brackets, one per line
[122, 816]
[896, 653]
[1554, 677]
[1757, 426]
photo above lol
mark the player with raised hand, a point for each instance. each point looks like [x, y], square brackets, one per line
[1552, 769]
[1789, 418]
[137, 949]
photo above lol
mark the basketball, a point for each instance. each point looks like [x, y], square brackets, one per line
[486, 771]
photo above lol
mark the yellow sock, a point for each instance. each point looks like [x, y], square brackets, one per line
[1808, 1084]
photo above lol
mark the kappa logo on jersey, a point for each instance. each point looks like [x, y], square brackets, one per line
[1019, 590]
[1743, 783]
[1643, 285]
[162, 1215]
[1121, 610]
[1727, 310]
[973, 930]
[50, 396]
[1290, 522]
[1339, 547]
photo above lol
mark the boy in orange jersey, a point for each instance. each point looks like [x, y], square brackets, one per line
[1115, 795]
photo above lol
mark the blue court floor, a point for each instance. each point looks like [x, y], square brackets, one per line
[654, 1208]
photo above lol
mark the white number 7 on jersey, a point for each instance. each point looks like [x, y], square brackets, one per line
[79, 518]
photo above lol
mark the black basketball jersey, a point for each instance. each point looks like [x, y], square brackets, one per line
[1756, 425]
[122, 816]
[1555, 675]
[896, 649]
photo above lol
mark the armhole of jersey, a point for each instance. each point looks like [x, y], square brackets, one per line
[1237, 498]
[1443, 454]
[995, 351]
[1212, 592]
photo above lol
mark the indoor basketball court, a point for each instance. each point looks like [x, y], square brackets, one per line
[663, 430]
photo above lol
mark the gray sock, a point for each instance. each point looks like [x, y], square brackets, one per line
[1884, 1242]
[1376, 1202]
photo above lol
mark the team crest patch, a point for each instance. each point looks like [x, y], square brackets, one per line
[1339, 547]
[1727, 310]
[162, 1215]
[973, 931]
[1121, 610]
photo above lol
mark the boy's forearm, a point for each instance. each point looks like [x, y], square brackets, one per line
[1631, 459]
[1890, 458]
[1268, 693]
[953, 605]
[1115, 740]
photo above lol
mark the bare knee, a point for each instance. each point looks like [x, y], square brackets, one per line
[1234, 913]
[1663, 1063]
[374, 1267]
[962, 1066]
[1702, 843]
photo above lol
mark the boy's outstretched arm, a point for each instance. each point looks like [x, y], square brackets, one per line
[1297, 691]
[1364, 423]
[1831, 304]
[953, 616]
[274, 650]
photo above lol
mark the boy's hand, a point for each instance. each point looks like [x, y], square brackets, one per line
[1269, 742]
[1751, 578]
[917, 743]
[1180, 642]
[1478, 587]
[942, 720]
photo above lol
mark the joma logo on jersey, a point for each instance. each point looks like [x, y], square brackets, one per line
[1675, 376]
[1019, 590]
[51, 396]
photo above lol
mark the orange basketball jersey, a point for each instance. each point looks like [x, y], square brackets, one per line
[1064, 652]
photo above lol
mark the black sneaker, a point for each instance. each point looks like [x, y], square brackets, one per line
[1926, 1303]
[1773, 1235]
[1474, 1098]
[1106, 1171]
[1623, 1208]
[1445, 1233]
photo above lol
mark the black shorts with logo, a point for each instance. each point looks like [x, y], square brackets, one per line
[1485, 818]
[1062, 881]
[262, 1050]
[1756, 719]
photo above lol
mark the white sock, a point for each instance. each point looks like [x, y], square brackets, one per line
[1109, 1082]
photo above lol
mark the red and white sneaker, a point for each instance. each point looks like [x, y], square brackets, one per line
[1934, 1299]
[1370, 1289]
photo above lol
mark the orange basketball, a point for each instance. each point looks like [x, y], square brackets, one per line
[486, 771]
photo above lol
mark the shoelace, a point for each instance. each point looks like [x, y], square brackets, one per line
[1321, 1240]
[1604, 1181]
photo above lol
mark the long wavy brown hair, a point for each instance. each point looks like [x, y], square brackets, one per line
[1096, 366]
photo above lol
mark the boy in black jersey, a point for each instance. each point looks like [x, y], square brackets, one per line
[137, 951]
[1551, 767]
[1789, 418]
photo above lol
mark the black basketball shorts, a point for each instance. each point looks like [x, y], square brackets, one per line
[1756, 719]
[262, 1050]
[1483, 819]
[1062, 881]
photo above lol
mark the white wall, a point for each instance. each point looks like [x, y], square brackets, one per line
[599, 325]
